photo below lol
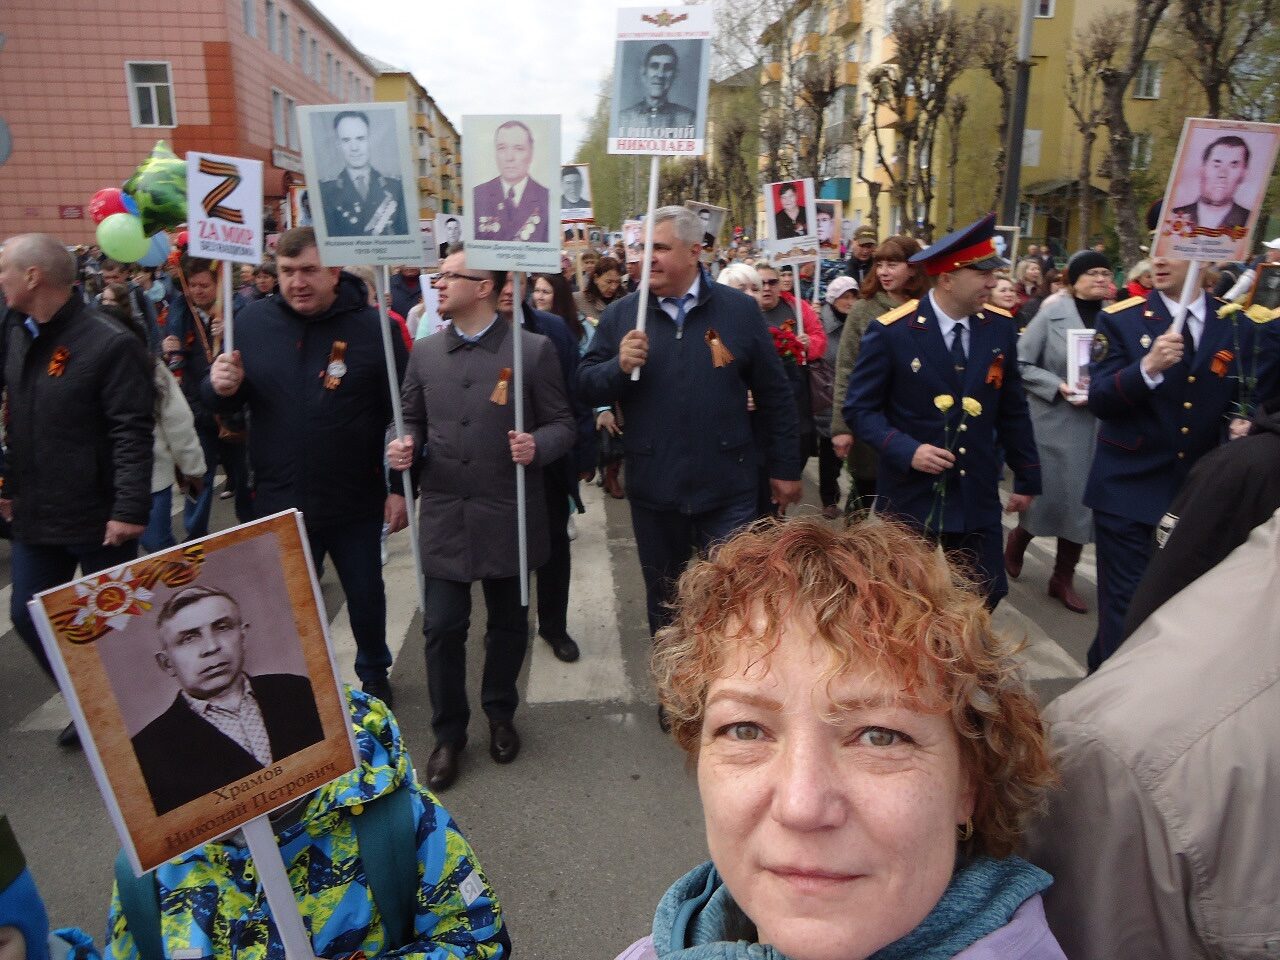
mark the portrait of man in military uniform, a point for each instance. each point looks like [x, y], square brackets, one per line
[360, 201]
[1223, 168]
[654, 113]
[512, 206]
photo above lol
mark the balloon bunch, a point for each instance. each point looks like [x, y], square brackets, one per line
[132, 219]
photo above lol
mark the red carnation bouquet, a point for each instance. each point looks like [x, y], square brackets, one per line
[788, 345]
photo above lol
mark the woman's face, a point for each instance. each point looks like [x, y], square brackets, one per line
[607, 283]
[108, 298]
[543, 294]
[892, 274]
[1093, 284]
[1005, 294]
[1031, 272]
[844, 302]
[830, 811]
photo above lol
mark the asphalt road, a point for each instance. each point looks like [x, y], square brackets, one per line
[581, 835]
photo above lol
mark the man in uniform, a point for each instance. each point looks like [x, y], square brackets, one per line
[655, 111]
[361, 201]
[512, 206]
[936, 392]
[1162, 399]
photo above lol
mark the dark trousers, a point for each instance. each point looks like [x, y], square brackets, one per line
[357, 558]
[195, 513]
[553, 576]
[983, 552]
[1124, 550]
[446, 618]
[665, 540]
[36, 568]
[829, 466]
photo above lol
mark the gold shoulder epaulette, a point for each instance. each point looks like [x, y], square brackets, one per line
[1124, 304]
[897, 313]
[999, 310]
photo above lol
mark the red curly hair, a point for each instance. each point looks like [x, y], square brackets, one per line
[876, 593]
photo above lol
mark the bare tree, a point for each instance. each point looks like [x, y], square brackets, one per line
[997, 56]
[1135, 30]
[1094, 47]
[956, 110]
[1222, 33]
[861, 146]
[816, 80]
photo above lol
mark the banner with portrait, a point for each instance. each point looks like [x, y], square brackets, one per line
[512, 216]
[712, 218]
[202, 683]
[575, 193]
[363, 191]
[633, 240]
[448, 232]
[1217, 189]
[791, 221]
[827, 227]
[662, 65]
[224, 208]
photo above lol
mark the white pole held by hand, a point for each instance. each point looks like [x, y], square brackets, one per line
[275, 884]
[642, 304]
[1190, 291]
[517, 364]
[381, 282]
[228, 335]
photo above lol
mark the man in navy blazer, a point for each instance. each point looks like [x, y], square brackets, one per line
[920, 365]
[224, 724]
[512, 206]
[1163, 399]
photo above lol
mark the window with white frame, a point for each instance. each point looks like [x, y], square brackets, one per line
[272, 34]
[1146, 84]
[1044, 9]
[291, 123]
[423, 168]
[302, 51]
[150, 94]
[328, 71]
[250, 21]
[335, 82]
[286, 42]
[279, 129]
[315, 59]
[1140, 152]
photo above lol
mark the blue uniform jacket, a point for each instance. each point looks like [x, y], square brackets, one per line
[1148, 439]
[688, 437]
[903, 365]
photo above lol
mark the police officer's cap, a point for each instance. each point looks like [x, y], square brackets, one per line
[972, 246]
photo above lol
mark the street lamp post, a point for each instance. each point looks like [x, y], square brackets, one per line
[1017, 117]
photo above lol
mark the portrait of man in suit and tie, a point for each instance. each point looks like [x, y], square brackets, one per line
[1223, 168]
[512, 206]
[223, 723]
[361, 200]
[654, 112]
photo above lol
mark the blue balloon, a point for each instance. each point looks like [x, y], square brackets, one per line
[157, 252]
[130, 204]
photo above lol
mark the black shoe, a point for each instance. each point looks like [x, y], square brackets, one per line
[380, 687]
[442, 766]
[565, 648]
[69, 737]
[504, 742]
[664, 722]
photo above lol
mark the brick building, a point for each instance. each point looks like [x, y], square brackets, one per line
[90, 87]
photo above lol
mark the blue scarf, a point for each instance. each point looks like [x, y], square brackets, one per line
[697, 919]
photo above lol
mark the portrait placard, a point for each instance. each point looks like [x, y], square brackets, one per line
[363, 191]
[1216, 190]
[789, 211]
[224, 208]
[1006, 241]
[633, 240]
[507, 162]
[1266, 288]
[662, 63]
[1079, 354]
[575, 193]
[202, 683]
[448, 232]
[712, 218]
[827, 220]
[430, 255]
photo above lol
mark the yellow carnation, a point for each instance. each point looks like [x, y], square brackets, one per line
[1227, 309]
[971, 407]
[1260, 314]
[944, 402]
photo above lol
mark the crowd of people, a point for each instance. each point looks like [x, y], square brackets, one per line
[885, 815]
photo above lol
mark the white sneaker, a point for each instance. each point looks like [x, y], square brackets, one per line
[573, 528]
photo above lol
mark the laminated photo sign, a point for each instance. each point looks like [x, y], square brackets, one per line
[791, 221]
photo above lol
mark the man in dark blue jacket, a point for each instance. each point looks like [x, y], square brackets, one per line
[691, 461]
[310, 369]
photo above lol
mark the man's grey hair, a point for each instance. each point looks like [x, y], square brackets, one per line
[41, 250]
[685, 222]
[740, 277]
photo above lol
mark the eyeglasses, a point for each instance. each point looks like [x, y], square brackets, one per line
[449, 276]
[771, 283]
[1099, 273]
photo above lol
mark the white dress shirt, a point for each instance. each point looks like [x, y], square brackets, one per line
[946, 324]
[518, 188]
[1194, 322]
[671, 305]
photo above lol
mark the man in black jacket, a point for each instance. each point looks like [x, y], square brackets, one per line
[309, 368]
[77, 485]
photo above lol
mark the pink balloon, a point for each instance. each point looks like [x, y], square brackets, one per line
[105, 202]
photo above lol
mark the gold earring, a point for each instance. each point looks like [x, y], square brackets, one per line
[965, 831]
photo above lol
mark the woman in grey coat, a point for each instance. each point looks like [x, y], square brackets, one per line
[1063, 424]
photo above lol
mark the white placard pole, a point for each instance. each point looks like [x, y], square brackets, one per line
[228, 335]
[1190, 291]
[517, 364]
[799, 302]
[642, 305]
[381, 282]
[275, 884]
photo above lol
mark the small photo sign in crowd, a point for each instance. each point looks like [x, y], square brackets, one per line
[791, 218]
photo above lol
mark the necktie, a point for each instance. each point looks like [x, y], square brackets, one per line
[362, 186]
[958, 356]
[680, 306]
[511, 195]
[1188, 342]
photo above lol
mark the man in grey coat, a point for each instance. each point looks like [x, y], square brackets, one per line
[459, 413]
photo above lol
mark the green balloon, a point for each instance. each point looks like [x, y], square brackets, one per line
[121, 238]
[159, 187]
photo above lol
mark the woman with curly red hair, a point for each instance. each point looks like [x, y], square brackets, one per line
[867, 755]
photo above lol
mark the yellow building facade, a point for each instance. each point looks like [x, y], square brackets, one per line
[435, 145]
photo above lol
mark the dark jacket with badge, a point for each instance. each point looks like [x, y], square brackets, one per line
[315, 447]
[467, 518]
[1149, 439]
[689, 443]
[80, 426]
[903, 365]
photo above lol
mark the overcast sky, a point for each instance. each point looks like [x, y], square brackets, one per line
[493, 56]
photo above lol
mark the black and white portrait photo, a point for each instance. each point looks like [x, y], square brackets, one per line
[575, 193]
[448, 231]
[1006, 242]
[712, 218]
[827, 214]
